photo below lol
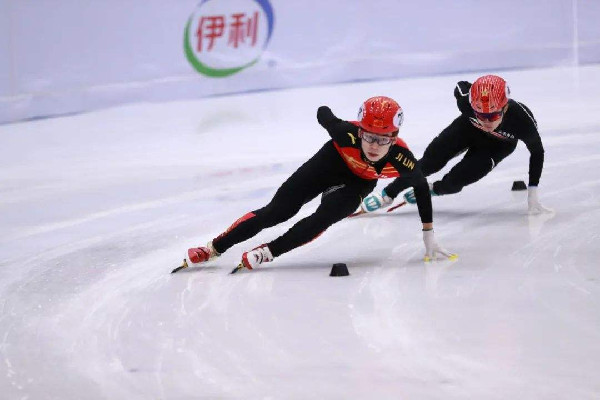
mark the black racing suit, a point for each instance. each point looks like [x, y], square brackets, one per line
[342, 174]
[484, 150]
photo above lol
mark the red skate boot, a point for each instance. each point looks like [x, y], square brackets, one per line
[253, 258]
[197, 255]
[201, 254]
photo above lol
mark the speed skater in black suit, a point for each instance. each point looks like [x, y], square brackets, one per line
[487, 131]
[343, 172]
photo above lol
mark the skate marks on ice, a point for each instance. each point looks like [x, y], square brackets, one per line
[516, 316]
[245, 188]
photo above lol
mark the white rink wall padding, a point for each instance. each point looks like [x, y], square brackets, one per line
[98, 208]
[65, 57]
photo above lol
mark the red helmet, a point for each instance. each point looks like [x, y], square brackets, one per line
[489, 94]
[380, 115]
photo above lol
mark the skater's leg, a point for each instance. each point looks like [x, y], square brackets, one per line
[476, 164]
[448, 144]
[335, 206]
[301, 187]
[451, 142]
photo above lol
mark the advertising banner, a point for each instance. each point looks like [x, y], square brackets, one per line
[70, 56]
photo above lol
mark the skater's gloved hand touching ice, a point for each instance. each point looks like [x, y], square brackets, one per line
[375, 201]
[533, 202]
[432, 248]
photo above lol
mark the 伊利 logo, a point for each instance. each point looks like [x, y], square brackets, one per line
[223, 37]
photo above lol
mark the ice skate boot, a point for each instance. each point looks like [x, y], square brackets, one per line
[197, 255]
[253, 258]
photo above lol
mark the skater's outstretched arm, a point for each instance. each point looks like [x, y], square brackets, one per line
[342, 132]
[532, 139]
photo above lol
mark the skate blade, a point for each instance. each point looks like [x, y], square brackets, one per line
[236, 269]
[396, 206]
[182, 266]
[356, 214]
[361, 211]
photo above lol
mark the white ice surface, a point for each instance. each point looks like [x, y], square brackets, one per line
[96, 209]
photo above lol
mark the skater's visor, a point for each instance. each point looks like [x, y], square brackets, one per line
[491, 117]
[372, 138]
